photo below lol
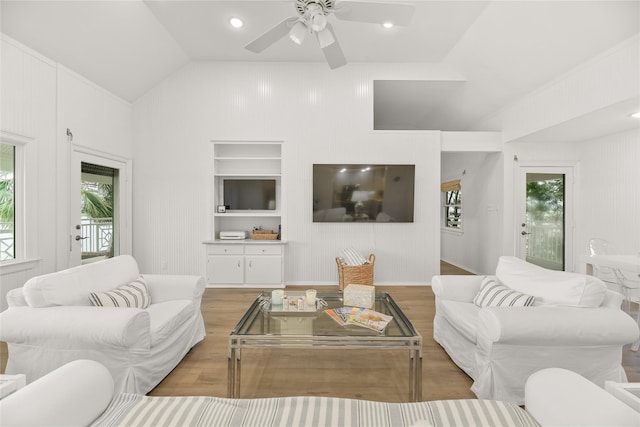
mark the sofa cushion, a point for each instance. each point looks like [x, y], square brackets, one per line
[166, 317]
[551, 287]
[494, 294]
[71, 287]
[134, 295]
[462, 316]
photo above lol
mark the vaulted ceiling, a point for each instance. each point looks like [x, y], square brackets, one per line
[502, 50]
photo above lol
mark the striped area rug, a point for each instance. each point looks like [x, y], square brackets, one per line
[136, 410]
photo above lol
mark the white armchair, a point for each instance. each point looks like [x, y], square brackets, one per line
[50, 322]
[500, 347]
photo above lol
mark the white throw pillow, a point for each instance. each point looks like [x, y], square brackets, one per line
[132, 295]
[551, 287]
[71, 286]
[494, 294]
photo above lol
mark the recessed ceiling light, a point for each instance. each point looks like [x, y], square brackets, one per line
[636, 115]
[387, 24]
[236, 22]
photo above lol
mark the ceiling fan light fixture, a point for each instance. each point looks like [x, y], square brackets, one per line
[298, 32]
[325, 38]
[318, 22]
[316, 17]
[387, 25]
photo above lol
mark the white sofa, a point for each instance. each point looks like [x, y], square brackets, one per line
[81, 394]
[575, 323]
[50, 321]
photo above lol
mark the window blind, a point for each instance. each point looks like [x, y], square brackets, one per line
[450, 186]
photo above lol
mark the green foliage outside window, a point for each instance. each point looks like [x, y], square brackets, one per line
[7, 202]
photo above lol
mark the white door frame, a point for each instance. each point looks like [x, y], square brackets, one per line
[81, 154]
[569, 169]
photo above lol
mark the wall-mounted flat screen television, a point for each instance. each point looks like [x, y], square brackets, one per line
[250, 194]
[363, 193]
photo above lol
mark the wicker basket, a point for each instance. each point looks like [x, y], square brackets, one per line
[264, 235]
[356, 274]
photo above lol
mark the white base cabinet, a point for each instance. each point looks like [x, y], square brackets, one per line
[249, 263]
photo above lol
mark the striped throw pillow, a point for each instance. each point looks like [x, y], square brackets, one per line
[132, 295]
[351, 256]
[494, 294]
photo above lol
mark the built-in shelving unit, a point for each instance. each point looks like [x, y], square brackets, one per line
[245, 262]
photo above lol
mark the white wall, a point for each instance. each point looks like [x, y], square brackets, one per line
[605, 81]
[610, 192]
[610, 78]
[477, 247]
[607, 198]
[40, 99]
[323, 116]
[28, 85]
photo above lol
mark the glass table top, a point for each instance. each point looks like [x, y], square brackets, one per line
[261, 319]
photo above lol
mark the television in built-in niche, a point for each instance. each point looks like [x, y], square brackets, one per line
[249, 194]
[363, 192]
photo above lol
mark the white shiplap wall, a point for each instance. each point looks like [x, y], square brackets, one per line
[604, 81]
[28, 88]
[607, 178]
[322, 116]
[40, 99]
[610, 191]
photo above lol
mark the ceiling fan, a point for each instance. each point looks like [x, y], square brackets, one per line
[312, 17]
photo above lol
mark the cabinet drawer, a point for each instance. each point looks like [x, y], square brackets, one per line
[225, 249]
[263, 250]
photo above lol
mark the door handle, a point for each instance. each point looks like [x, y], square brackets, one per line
[81, 238]
[524, 233]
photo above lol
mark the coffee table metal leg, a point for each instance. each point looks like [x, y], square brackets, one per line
[418, 376]
[233, 371]
[415, 376]
[238, 373]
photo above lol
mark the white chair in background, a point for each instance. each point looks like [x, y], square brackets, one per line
[627, 281]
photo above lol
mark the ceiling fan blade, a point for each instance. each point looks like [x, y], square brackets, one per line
[271, 36]
[333, 53]
[375, 13]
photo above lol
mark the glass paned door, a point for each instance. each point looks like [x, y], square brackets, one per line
[544, 220]
[99, 211]
[545, 224]
[98, 221]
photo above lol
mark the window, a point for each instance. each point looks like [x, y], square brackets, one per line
[18, 245]
[7, 202]
[452, 205]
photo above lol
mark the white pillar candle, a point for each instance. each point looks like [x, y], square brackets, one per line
[276, 297]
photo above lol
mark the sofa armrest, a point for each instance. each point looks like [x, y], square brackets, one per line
[556, 326]
[456, 287]
[75, 394]
[559, 397]
[168, 287]
[76, 327]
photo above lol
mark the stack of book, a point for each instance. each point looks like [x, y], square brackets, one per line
[359, 316]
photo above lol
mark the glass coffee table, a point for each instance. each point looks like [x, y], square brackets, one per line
[263, 326]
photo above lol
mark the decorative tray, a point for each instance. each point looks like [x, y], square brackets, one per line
[293, 298]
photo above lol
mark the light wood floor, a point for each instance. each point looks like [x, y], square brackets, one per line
[373, 375]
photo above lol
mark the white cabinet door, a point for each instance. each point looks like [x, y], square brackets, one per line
[263, 269]
[223, 269]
